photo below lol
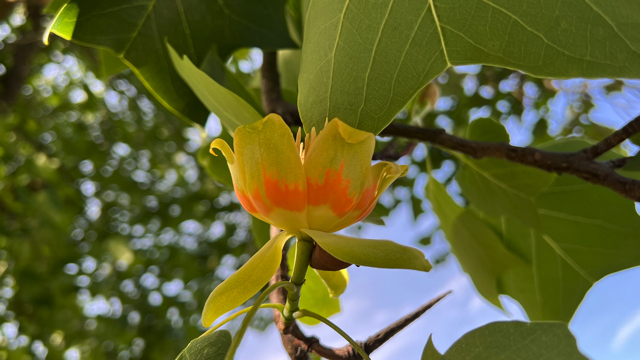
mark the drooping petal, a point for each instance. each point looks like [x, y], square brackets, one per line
[267, 173]
[245, 282]
[373, 253]
[382, 174]
[335, 281]
[337, 166]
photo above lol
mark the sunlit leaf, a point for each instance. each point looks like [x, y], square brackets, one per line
[212, 346]
[363, 61]
[246, 281]
[479, 250]
[511, 340]
[373, 253]
[335, 281]
[136, 33]
[230, 108]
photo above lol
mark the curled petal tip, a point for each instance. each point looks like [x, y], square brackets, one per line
[224, 148]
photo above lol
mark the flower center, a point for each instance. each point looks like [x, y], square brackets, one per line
[308, 140]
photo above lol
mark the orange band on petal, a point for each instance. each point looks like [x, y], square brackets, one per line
[285, 196]
[334, 192]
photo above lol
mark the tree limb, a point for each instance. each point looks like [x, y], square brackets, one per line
[577, 164]
[271, 94]
[613, 140]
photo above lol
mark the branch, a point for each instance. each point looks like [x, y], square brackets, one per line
[371, 344]
[577, 164]
[272, 101]
[613, 140]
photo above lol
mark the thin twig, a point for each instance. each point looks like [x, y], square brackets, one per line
[372, 343]
[613, 140]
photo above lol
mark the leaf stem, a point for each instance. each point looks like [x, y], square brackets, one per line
[237, 338]
[304, 247]
[306, 313]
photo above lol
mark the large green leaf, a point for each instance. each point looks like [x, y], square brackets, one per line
[246, 281]
[314, 295]
[136, 32]
[512, 340]
[364, 60]
[212, 346]
[587, 233]
[479, 250]
[498, 187]
[583, 233]
[373, 253]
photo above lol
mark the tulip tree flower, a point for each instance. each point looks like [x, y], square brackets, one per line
[309, 190]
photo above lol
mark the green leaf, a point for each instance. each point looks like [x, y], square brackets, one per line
[314, 295]
[212, 346]
[261, 231]
[373, 253]
[335, 281]
[363, 61]
[136, 32]
[246, 281]
[374, 219]
[588, 233]
[511, 340]
[480, 251]
[498, 187]
[631, 168]
[229, 107]
[54, 6]
[109, 64]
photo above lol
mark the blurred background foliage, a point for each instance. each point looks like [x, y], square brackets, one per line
[113, 231]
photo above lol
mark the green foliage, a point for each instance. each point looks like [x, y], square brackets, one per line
[213, 346]
[194, 28]
[511, 340]
[229, 107]
[576, 233]
[498, 187]
[362, 62]
[480, 251]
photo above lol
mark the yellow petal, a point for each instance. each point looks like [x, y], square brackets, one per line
[338, 169]
[382, 174]
[373, 253]
[245, 282]
[269, 177]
